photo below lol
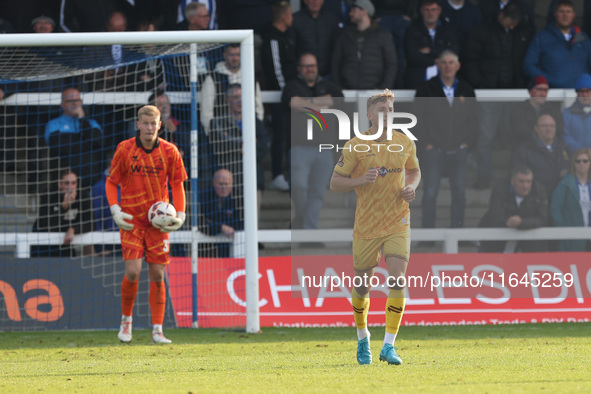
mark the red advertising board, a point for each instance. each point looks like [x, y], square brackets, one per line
[442, 289]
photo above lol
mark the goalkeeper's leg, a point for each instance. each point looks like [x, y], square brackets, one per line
[157, 300]
[129, 287]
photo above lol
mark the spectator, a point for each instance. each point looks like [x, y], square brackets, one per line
[493, 59]
[446, 136]
[544, 154]
[520, 203]
[216, 84]
[584, 20]
[364, 56]
[395, 17]
[495, 51]
[172, 130]
[425, 39]
[523, 116]
[577, 118]
[571, 201]
[219, 210]
[463, 15]
[311, 168]
[5, 27]
[177, 70]
[278, 51]
[75, 141]
[65, 209]
[316, 32]
[43, 24]
[490, 9]
[279, 61]
[89, 16]
[561, 52]
[246, 14]
[20, 13]
[197, 15]
[134, 77]
[227, 142]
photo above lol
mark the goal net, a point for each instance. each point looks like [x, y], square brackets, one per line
[69, 100]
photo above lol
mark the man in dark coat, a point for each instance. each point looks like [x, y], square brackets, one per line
[424, 40]
[494, 53]
[316, 32]
[311, 168]
[364, 56]
[524, 115]
[220, 213]
[64, 209]
[493, 59]
[545, 154]
[520, 203]
[447, 122]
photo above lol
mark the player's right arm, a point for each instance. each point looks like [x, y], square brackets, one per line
[340, 183]
[341, 180]
[115, 173]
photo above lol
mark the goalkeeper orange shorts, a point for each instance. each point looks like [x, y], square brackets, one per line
[367, 252]
[150, 240]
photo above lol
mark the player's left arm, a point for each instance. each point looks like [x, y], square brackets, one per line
[412, 176]
[412, 180]
[180, 202]
[176, 177]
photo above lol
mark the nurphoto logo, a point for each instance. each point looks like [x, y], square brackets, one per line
[344, 132]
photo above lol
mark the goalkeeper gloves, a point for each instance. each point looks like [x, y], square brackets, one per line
[120, 218]
[175, 224]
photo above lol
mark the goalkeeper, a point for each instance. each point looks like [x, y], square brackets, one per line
[385, 182]
[141, 166]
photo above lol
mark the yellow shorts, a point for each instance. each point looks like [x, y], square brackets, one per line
[145, 239]
[367, 252]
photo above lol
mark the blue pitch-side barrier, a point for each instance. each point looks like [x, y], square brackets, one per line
[68, 293]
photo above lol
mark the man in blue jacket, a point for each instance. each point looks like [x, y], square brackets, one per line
[577, 118]
[75, 140]
[561, 52]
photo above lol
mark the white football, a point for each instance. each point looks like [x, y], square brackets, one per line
[161, 214]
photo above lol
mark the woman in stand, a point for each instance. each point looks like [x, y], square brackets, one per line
[571, 201]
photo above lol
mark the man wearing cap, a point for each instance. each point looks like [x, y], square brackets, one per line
[524, 115]
[577, 119]
[561, 52]
[424, 40]
[364, 56]
[43, 24]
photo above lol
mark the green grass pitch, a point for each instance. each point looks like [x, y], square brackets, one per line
[508, 358]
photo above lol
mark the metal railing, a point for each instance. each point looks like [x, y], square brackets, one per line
[449, 236]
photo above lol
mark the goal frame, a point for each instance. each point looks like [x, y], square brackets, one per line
[246, 40]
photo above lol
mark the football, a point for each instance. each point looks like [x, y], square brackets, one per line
[161, 213]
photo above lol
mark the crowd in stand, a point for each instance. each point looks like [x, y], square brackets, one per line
[440, 48]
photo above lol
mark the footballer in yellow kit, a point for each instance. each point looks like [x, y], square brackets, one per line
[385, 174]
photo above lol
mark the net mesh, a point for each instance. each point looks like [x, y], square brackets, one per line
[67, 108]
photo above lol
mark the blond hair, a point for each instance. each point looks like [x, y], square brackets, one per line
[386, 95]
[148, 110]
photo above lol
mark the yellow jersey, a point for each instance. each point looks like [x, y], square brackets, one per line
[381, 210]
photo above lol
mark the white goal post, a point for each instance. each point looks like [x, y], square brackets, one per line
[245, 39]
